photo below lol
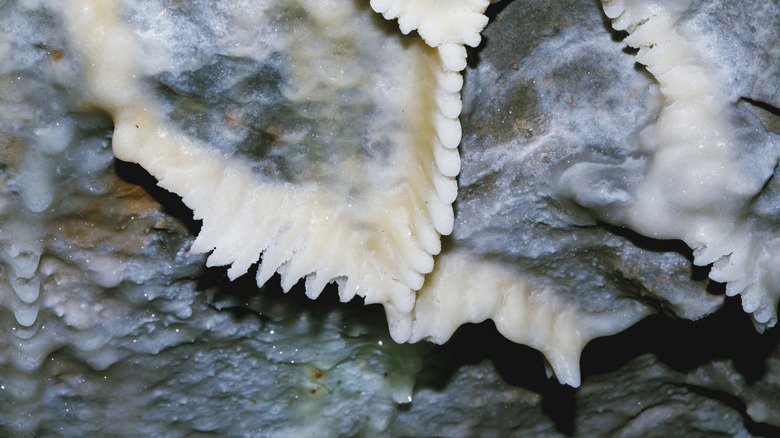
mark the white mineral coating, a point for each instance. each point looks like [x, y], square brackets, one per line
[348, 166]
[109, 326]
[440, 24]
[339, 135]
[709, 155]
[101, 300]
[344, 210]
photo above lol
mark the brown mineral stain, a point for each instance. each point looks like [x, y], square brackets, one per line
[56, 54]
[522, 124]
[119, 220]
[12, 149]
[274, 132]
[234, 119]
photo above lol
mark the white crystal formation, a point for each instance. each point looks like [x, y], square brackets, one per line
[708, 161]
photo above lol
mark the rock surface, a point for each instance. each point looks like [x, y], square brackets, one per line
[108, 326]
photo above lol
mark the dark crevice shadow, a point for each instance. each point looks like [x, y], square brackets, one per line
[698, 273]
[683, 345]
[648, 243]
[768, 114]
[471, 344]
[243, 298]
[495, 8]
[518, 365]
[234, 296]
[763, 105]
[171, 203]
[735, 403]
[680, 345]
[617, 35]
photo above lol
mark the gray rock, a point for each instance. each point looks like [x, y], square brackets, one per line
[108, 326]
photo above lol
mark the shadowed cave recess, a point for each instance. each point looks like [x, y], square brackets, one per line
[110, 326]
